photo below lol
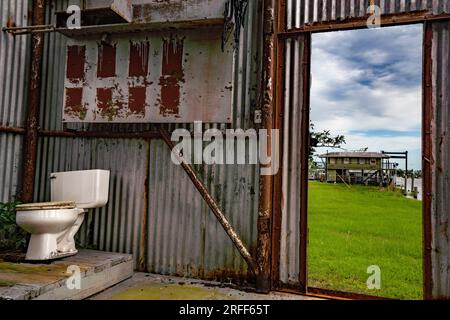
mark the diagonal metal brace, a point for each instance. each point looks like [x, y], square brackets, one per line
[212, 204]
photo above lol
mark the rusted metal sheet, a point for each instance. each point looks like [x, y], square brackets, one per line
[185, 237]
[175, 77]
[206, 195]
[123, 8]
[177, 10]
[14, 63]
[440, 161]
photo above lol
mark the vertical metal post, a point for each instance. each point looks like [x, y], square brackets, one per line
[264, 244]
[34, 96]
[427, 158]
[406, 172]
[280, 18]
[304, 152]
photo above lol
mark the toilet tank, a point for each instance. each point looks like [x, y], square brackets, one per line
[88, 189]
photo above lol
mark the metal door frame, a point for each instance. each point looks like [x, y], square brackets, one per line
[427, 143]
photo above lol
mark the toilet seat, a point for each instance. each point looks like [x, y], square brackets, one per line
[46, 206]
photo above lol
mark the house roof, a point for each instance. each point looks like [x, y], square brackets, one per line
[354, 155]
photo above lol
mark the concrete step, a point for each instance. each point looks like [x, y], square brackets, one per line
[73, 278]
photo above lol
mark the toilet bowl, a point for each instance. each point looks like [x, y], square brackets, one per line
[53, 225]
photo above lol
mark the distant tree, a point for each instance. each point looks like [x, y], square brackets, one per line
[418, 174]
[323, 139]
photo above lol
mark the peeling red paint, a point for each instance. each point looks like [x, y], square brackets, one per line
[106, 64]
[76, 58]
[74, 103]
[136, 102]
[172, 75]
[104, 98]
[139, 52]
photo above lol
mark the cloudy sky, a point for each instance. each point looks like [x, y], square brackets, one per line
[367, 86]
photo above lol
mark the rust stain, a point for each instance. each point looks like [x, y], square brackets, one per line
[139, 53]
[172, 76]
[10, 22]
[74, 103]
[106, 64]
[76, 57]
[136, 102]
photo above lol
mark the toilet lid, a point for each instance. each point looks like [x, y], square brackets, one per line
[46, 206]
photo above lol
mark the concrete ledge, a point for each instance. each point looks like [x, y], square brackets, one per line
[98, 271]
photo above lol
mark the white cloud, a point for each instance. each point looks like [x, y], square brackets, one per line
[369, 81]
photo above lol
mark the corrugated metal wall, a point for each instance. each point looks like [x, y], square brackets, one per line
[290, 210]
[183, 235]
[441, 155]
[310, 11]
[14, 58]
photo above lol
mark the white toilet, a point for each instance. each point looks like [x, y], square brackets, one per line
[53, 225]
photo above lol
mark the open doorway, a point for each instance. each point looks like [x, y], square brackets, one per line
[365, 165]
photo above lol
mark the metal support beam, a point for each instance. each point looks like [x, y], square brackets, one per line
[243, 251]
[427, 160]
[361, 23]
[148, 135]
[280, 18]
[264, 243]
[13, 130]
[34, 96]
[304, 157]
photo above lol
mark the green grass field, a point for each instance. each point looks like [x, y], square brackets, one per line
[353, 228]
